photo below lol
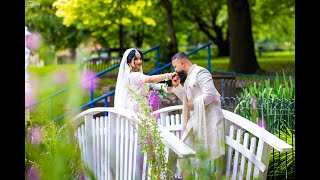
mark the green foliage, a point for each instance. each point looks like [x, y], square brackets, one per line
[280, 89]
[48, 80]
[105, 18]
[52, 150]
[273, 20]
[269, 100]
[278, 114]
[149, 134]
[203, 167]
[282, 164]
[55, 35]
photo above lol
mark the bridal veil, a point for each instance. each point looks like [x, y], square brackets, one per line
[121, 89]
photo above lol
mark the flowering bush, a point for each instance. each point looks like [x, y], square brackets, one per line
[51, 152]
[150, 138]
[161, 89]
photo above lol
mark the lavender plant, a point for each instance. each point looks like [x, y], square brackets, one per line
[146, 101]
[52, 152]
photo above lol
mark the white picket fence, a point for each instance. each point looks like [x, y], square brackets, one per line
[109, 144]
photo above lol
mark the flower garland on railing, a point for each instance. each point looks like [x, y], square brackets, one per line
[147, 100]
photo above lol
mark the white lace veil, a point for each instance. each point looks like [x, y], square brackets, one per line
[121, 89]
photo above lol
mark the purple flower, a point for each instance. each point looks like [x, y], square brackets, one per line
[154, 100]
[82, 176]
[34, 135]
[157, 116]
[33, 173]
[89, 80]
[29, 99]
[262, 124]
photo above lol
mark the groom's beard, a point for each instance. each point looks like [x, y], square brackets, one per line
[183, 75]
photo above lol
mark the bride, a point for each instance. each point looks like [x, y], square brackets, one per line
[130, 75]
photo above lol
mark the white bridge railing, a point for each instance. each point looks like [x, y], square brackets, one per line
[109, 144]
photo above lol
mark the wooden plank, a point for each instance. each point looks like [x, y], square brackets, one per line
[89, 139]
[117, 148]
[257, 131]
[131, 153]
[102, 152]
[230, 152]
[97, 136]
[126, 148]
[252, 150]
[243, 158]
[121, 146]
[174, 143]
[252, 157]
[108, 134]
[236, 156]
[135, 151]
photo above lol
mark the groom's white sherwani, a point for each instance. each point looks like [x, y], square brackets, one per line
[206, 119]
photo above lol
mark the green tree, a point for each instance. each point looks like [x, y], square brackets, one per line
[210, 16]
[43, 20]
[108, 19]
[273, 19]
[173, 43]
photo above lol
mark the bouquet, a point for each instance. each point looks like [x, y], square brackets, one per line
[161, 89]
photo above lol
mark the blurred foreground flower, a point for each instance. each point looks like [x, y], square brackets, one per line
[82, 176]
[29, 99]
[262, 124]
[89, 80]
[33, 41]
[154, 100]
[33, 173]
[60, 77]
[34, 135]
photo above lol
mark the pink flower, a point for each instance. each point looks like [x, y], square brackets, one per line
[89, 80]
[29, 99]
[154, 100]
[157, 116]
[33, 41]
[34, 135]
[262, 124]
[82, 176]
[33, 173]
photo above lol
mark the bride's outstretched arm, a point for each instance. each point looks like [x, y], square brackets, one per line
[159, 78]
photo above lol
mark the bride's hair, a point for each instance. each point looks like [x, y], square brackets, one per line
[132, 54]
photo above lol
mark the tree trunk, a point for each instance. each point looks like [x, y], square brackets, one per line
[223, 45]
[73, 53]
[120, 39]
[173, 44]
[242, 53]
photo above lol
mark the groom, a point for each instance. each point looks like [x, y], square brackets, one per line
[203, 122]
